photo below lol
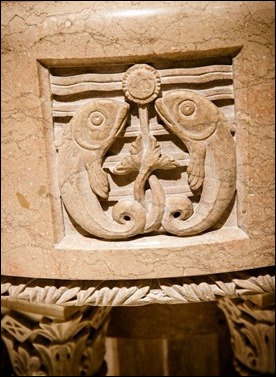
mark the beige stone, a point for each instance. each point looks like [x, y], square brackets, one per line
[56, 59]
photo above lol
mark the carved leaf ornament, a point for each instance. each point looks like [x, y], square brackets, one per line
[195, 120]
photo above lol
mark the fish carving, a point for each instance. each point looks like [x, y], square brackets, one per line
[205, 131]
[82, 180]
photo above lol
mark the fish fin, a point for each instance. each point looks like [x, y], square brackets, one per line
[195, 169]
[98, 179]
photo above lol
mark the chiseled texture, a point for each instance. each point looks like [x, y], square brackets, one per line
[132, 32]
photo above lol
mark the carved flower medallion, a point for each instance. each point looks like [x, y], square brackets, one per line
[141, 83]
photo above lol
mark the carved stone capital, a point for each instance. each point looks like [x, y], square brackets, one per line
[138, 292]
[252, 328]
[48, 340]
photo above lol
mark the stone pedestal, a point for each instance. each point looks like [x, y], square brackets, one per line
[130, 157]
[251, 322]
[51, 340]
[137, 161]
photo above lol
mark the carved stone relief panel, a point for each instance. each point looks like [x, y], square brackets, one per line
[145, 148]
[121, 125]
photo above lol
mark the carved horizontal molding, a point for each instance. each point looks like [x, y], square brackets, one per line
[66, 85]
[138, 292]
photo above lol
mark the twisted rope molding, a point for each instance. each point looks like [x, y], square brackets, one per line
[138, 292]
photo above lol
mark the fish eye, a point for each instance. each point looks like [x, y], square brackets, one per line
[187, 107]
[96, 118]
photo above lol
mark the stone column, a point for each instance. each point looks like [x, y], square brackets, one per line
[52, 340]
[251, 321]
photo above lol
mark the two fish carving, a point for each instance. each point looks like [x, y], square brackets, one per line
[195, 120]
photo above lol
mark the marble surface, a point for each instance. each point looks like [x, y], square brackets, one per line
[37, 36]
